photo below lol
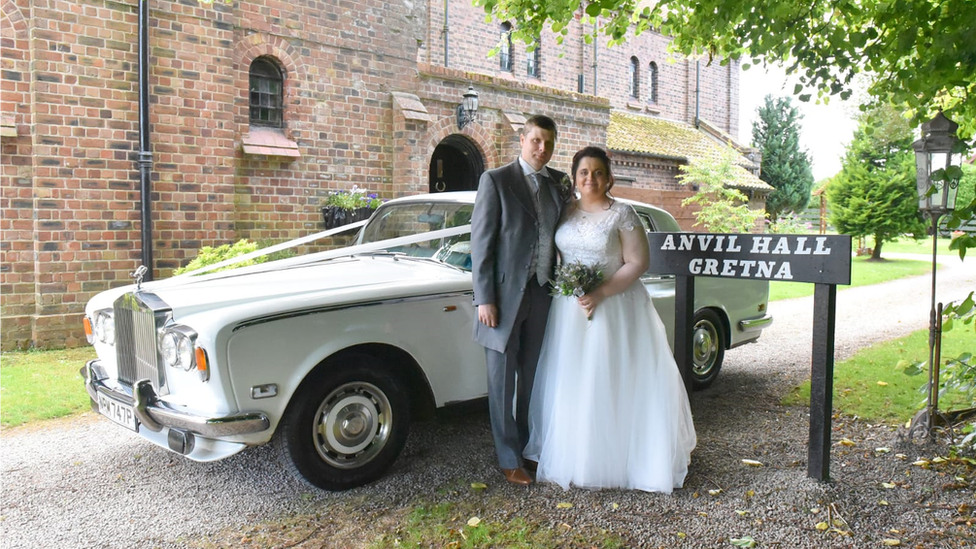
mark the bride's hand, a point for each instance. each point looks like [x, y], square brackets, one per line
[589, 302]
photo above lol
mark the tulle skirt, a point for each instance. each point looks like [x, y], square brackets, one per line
[609, 408]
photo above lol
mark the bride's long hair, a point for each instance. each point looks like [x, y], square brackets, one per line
[601, 155]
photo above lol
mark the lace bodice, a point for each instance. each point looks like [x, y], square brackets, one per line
[594, 238]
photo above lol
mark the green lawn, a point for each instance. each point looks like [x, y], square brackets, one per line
[37, 385]
[907, 245]
[863, 273]
[870, 384]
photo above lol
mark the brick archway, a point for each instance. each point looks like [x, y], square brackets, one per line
[474, 131]
[258, 45]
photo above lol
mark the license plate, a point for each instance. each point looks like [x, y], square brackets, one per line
[118, 412]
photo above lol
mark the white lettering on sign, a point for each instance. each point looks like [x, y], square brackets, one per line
[741, 268]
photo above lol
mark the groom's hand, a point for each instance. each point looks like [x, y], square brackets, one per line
[488, 315]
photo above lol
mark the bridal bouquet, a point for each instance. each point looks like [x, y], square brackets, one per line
[576, 279]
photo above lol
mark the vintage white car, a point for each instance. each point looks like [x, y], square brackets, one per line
[328, 354]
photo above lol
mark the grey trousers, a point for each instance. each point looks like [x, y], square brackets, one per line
[511, 374]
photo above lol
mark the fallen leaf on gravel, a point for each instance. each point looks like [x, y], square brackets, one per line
[883, 383]
[750, 493]
[939, 460]
[702, 514]
[682, 535]
[821, 526]
[846, 442]
[615, 506]
[715, 492]
[890, 542]
[882, 450]
[921, 462]
[564, 505]
[474, 522]
[888, 485]
[746, 541]
[901, 456]
[752, 463]
[882, 502]
[742, 513]
[478, 485]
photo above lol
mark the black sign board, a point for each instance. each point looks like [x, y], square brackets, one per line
[787, 257]
[823, 260]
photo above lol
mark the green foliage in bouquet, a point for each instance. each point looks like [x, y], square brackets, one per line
[576, 279]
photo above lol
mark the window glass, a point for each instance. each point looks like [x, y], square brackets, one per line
[266, 94]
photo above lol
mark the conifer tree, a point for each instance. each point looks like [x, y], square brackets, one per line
[784, 165]
[874, 194]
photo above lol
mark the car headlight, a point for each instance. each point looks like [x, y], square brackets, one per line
[103, 326]
[177, 345]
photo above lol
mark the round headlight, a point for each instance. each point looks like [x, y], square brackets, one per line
[107, 328]
[104, 327]
[170, 349]
[186, 353]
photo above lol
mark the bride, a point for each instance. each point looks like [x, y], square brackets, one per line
[609, 408]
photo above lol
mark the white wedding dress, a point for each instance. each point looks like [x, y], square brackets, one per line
[609, 408]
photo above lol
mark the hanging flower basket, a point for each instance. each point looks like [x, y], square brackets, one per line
[344, 207]
[336, 216]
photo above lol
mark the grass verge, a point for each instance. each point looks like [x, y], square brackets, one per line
[871, 386]
[863, 273]
[38, 385]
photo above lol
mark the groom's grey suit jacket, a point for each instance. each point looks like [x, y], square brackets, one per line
[504, 235]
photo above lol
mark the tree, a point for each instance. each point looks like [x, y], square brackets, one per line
[920, 52]
[784, 166]
[874, 193]
[721, 208]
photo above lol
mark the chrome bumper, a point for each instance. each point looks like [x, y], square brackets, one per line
[154, 414]
[755, 324]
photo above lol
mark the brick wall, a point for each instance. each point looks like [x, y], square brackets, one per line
[69, 191]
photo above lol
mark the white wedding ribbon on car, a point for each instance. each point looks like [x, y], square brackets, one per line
[206, 273]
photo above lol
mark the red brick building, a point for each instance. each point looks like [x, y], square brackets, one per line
[257, 109]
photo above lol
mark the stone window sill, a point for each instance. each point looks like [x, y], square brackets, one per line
[269, 142]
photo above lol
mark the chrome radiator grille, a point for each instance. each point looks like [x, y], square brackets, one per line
[137, 319]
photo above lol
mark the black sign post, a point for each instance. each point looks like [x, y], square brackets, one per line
[822, 260]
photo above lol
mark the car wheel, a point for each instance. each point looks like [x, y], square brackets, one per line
[708, 345]
[345, 425]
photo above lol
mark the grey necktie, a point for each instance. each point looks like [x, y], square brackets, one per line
[547, 222]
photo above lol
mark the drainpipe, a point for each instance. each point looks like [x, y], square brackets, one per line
[697, 92]
[145, 154]
[596, 42]
[445, 33]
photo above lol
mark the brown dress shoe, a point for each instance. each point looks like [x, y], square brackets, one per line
[517, 476]
[531, 466]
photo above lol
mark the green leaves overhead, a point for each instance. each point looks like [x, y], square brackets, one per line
[920, 53]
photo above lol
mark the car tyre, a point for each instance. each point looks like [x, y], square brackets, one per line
[708, 348]
[346, 424]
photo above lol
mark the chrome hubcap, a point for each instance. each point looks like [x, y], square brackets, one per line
[352, 425]
[705, 341]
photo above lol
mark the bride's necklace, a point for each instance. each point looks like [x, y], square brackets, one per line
[600, 211]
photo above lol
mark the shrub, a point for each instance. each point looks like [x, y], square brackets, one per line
[209, 256]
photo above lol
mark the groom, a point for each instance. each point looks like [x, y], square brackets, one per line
[513, 253]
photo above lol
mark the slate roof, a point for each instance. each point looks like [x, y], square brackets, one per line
[671, 140]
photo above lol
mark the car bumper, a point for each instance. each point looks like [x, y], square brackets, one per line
[755, 324]
[154, 414]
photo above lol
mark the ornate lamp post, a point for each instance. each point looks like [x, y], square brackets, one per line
[467, 110]
[937, 180]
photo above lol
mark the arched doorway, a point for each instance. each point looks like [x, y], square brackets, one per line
[456, 165]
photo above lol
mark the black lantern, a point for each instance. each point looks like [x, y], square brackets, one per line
[937, 181]
[467, 111]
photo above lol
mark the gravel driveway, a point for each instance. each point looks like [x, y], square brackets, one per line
[84, 482]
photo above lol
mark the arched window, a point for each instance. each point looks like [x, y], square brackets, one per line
[532, 67]
[652, 82]
[266, 93]
[634, 78]
[505, 52]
